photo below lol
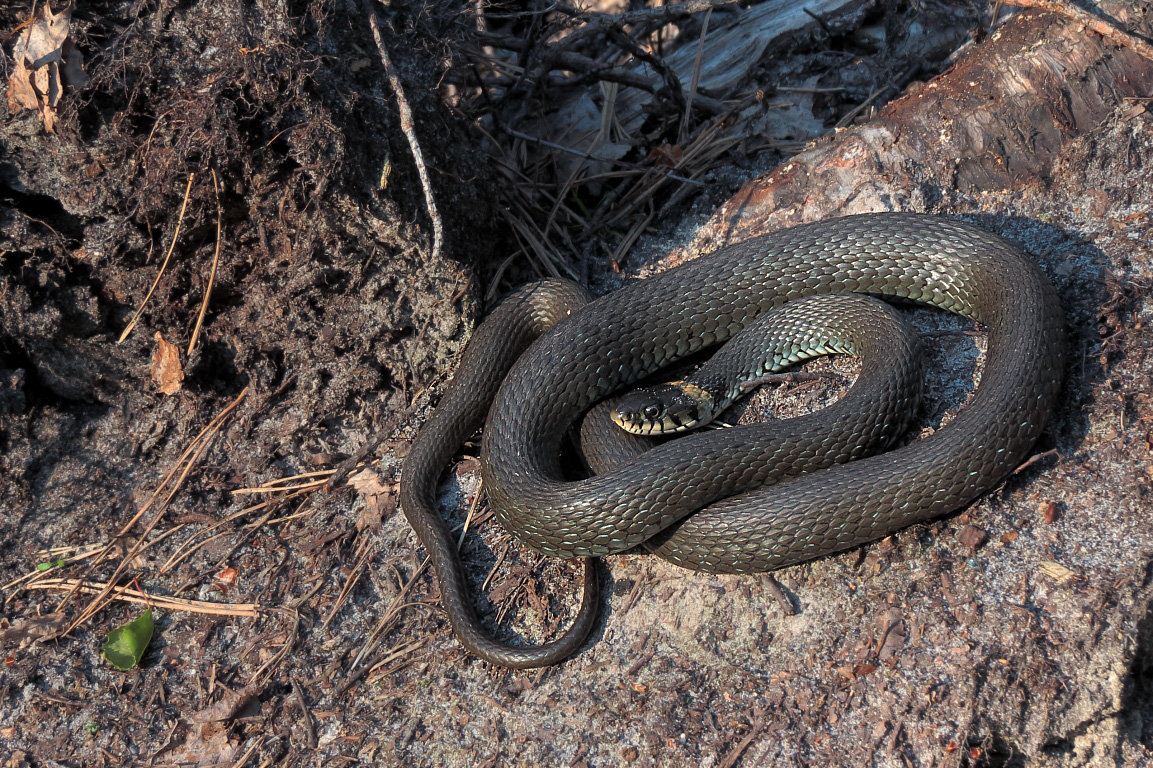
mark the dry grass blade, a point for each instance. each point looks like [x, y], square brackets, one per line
[212, 273]
[364, 552]
[264, 672]
[599, 193]
[687, 115]
[403, 652]
[256, 746]
[202, 538]
[296, 515]
[696, 158]
[384, 623]
[495, 567]
[187, 549]
[280, 482]
[110, 592]
[629, 240]
[468, 519]
[310, 486]
[187, 460]
[71, 555]
[172, 246]
[62, 555]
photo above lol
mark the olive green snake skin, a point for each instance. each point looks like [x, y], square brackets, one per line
[545, 357]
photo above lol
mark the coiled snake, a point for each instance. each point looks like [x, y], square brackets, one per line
[703, 496]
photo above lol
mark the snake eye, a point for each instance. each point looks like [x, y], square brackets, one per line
[652, 411]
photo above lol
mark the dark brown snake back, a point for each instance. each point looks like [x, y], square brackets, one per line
[620, 338]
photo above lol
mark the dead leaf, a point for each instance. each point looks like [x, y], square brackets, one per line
[1056, 571]
[24, 632]
[367, 483]
[379, 499]
[166, 371]
[21, 94]
[41, 42]
[893, 634]
[46, 60]
[972, 536]
[323, 458]
[207, 744]
[225, 579]
[225, 709]
[669, 155]
[854, 671]
[19, 759]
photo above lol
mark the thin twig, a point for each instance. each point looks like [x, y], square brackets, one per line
[211, 274]
[1035, 458]
[364, 552]
[598, 21]
[634, 167]
[263, 674]
[256, 745]
[778, 593]
[384, 623]
[735, 754]
[172, 246]
[188, 459]
[130, 595]
[305, 714]
[407, 128]
[600, 71]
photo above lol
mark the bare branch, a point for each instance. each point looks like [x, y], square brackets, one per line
[407, 126]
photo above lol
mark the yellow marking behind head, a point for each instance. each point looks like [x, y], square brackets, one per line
[699, 395]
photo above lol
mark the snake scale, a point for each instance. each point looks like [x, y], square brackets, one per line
[547, 354]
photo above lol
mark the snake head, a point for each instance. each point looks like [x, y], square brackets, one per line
[663, 409]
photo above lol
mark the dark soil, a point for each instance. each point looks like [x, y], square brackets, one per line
[329, 316]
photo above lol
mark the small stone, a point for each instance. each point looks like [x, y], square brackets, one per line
[972, 536]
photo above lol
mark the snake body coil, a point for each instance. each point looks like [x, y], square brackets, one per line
[701, 496]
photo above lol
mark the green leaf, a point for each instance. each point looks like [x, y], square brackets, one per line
[43, 566]
[126, 645]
